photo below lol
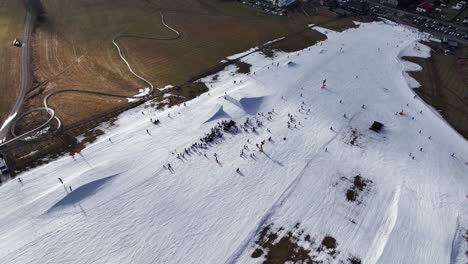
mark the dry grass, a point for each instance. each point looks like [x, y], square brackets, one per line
[73, 47]
[11, 27]
[443, 87]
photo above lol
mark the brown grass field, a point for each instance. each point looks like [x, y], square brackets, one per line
[443, 87]
[11, 26]
[73, 47]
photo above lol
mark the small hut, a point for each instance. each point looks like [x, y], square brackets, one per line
[376, 126]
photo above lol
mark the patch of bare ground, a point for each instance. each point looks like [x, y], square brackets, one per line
[354, 138]
[359, 186]
[466, 240]
[356, 188]
[295, 246]
[444, 85]
[242, 67]
[301, 39]
[354, 260]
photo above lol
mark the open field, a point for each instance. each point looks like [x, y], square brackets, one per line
[73, 47]
[11, 27]
[443, 88]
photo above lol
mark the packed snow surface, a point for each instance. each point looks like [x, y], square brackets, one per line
[125, 207]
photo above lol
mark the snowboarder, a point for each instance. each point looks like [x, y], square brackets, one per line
[60, 179]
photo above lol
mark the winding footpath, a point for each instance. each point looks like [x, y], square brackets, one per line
[28, 25]
[12, 120]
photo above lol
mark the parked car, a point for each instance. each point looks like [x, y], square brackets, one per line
[3, 167]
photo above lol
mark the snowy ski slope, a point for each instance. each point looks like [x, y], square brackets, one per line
[126, 208]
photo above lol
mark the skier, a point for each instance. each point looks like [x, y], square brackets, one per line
[19, 180]
[324, 83]
[331, 128]
[110, 140]
[421, 149]
[344, 115]
[60, 179]
[238, 170]
[71, 190]
[147, 131]
[363, 106]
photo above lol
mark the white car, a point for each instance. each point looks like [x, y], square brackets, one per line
[3, 167]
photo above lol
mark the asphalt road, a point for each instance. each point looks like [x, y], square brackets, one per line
[28, 25]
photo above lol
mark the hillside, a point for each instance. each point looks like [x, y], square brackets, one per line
[324, 188]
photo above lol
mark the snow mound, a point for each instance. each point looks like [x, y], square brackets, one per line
[81, 193]
[218, 114]
[250, 105]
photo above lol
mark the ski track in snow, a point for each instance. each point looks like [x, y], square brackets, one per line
[278, 203]
[204, 212]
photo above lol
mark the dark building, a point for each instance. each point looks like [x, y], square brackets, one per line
[376, 126]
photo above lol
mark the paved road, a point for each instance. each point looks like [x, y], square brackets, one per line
[28, 25]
